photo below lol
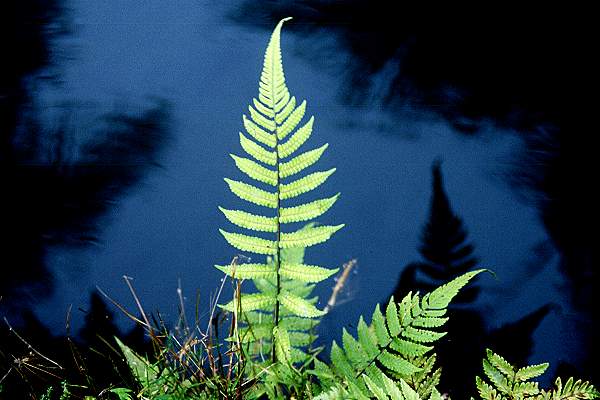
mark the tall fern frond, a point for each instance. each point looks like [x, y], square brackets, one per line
[397, 344]
[274, 134]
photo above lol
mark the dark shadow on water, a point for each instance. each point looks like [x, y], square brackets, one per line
[59, 182]
[510, 65]
[56, 195]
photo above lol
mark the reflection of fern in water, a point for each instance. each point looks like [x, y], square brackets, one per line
[447, 254]
[285, 282]
[444, 247]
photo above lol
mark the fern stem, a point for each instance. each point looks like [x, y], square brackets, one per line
[278, 208]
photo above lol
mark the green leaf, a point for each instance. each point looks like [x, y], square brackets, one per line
[255, 170]
[303, 185]
[258, 152]
[249, 243]
[292, 120]
[379, 326]
[497, 378]
[284, 113]
[397, 364]
[259, 134]
[301, 162]
[261, 120]
[531, 371]
[140, 367]
[248, 271]
[376, 391]
[305, 273]
[391, 314]
[441, 297]
[252, 194]
[308, 237]
[296, 140]
[299, 306]
[251, 302]
[250, 221]
[307, 211]
[122, 393]
[283, 348]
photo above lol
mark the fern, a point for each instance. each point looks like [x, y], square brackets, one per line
[395, 346]
[273, 135]
[259, 324]
[507, 382]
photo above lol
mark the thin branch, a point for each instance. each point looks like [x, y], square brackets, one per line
[339, 285]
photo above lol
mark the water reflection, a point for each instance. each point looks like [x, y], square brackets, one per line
[58, 181]
[56, 195]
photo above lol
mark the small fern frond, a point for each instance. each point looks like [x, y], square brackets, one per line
[250, 302]
[507, 380]
[571, 390]
[296, 140]
[510, 383]
[394, 346]
[259, 134]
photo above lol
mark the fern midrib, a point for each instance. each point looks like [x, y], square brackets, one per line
[278, 208]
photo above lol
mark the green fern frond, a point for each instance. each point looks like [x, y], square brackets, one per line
[393, 346]
[274, 131]
[508, 382]
[572, 389]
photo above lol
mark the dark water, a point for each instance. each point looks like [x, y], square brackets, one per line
[118, 121]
